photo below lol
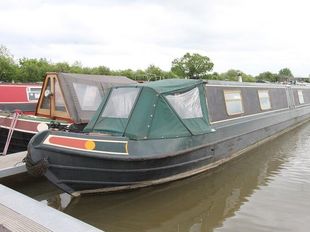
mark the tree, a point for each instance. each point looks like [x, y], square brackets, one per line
[285, 74]
[192, 66]
[267, 76]
[101, 70]
[8, 68]
[32, 70]
[233, 75]
[154, 73]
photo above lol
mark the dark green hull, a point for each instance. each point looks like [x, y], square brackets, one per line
[84, 172]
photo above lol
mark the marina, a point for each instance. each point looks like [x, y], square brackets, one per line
[252, 126]
[154, 116]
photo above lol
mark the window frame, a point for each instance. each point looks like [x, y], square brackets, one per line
[259, 99]
[231, 100]
[300, 96]
[51, 112]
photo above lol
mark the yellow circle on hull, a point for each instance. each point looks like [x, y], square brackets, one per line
[90, 145]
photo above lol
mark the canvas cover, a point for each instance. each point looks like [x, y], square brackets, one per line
[161, 109]
[83, 93]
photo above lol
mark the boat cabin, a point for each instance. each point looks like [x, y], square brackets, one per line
[177, 108]
[162, 109]
[22, 97]
[233, 100]
[74, 97]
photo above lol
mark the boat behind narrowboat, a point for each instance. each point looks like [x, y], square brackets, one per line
[22, 97]
[156, 132]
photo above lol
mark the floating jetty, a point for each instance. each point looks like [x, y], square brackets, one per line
[21, 213]
[12, 164]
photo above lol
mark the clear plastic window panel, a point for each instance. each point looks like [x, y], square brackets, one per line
[187, 105]
[120, 102]
[89, 96]
[59, 100]
[233, 103]
[46, 102]
[300, 97]
[264, 99]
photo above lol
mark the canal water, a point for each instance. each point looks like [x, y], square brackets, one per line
[267, 189]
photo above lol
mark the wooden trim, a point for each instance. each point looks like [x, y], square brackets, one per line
[51, 112]
[60, 114]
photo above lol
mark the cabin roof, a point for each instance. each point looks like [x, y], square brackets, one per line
[171, 85]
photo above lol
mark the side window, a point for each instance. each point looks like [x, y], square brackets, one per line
[264, 99]
[187, 105]
[89, 96]
[300, 97]
[120, 102]
[233, 101]
[46, 103]
[59, 100]
[34, 93]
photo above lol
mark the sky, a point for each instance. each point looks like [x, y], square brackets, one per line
[253, 36]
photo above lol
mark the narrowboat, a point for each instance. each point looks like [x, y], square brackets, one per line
[23, 97]
[66, 101]
[156, 132]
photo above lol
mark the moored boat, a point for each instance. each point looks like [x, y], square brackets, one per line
[23, 97]
[67, 101]
[156, 132]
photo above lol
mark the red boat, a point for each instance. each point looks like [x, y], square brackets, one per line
[22, 97]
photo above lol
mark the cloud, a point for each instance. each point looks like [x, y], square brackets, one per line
[253, 36]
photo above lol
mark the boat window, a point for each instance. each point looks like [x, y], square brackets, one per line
[46, 103]
[187, 105]
[233, 102]
[59, 100]
[264, 99]
[89, 96]
[120, 102]
[300, 97]
[34, 93]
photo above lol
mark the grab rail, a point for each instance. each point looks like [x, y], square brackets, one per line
[11, 130]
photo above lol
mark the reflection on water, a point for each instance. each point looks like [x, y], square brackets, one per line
[241, 195]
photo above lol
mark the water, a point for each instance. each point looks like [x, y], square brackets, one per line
[267, 189]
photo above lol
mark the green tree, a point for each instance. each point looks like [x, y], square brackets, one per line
[8, 68]
[33, 70]
[101, 70]
[192, 66]
[285, 74]
[60, 67]
[154, 73]
[233, 75]
[267, 76]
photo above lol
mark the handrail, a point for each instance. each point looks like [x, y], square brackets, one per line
[11, 130]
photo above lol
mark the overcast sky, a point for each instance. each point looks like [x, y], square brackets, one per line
[250, 35]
